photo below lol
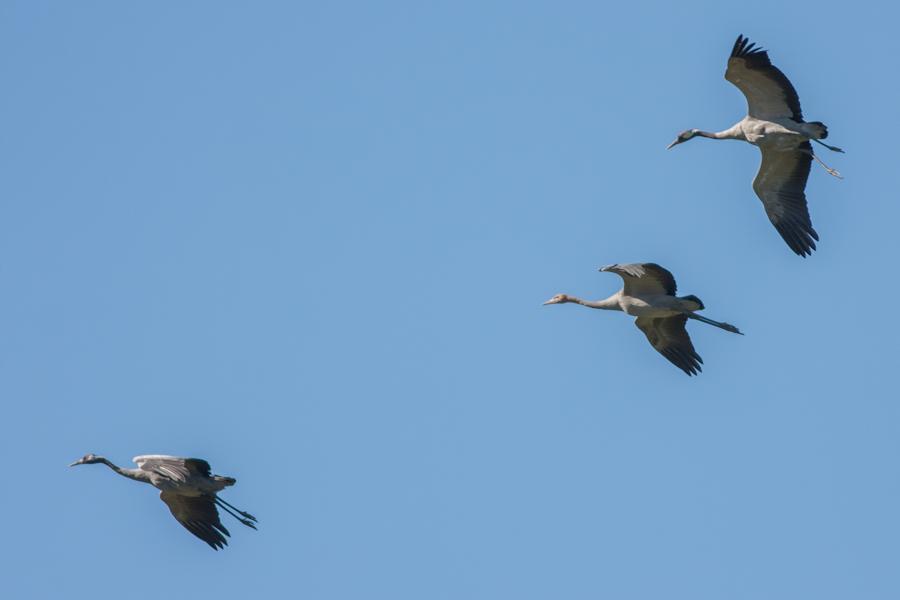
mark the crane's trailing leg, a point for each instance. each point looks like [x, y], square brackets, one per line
[245, 514]
[832, 148]
[725, 326]
[826, 167]
[246, 522]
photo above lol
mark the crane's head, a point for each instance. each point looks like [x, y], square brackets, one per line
[557, 299]
[87, 459]
[683, 137]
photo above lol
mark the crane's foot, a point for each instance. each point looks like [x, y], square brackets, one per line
[235, 508]
[731, 328]
[248, 523]
[828, 169]
[832, 148]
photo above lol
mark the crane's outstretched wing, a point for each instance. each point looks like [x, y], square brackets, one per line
[769, 93]
[780, 184]
[198, 515]
[173, 467]
[670, 338]
[644, 279]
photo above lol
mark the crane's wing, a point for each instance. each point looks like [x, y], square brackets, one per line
[780, 184]
[173, 467]
[769, 93]
[670, 338]
[198, 515]
[644, 279]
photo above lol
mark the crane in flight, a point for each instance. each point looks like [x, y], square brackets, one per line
[649, 295]
[774, 123]
[189, 490]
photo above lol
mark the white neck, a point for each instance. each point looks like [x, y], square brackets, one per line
[735, 132]
[611, 303]
[136, 474]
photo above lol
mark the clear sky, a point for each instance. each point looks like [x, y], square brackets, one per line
[309, 242]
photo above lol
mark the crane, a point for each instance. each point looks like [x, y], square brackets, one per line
[649, 295]
[774, 123]
[188, 489]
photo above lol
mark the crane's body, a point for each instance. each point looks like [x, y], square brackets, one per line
[188, 488]
[649, 295]
[644, 305]
[781, 135]
[774, 123]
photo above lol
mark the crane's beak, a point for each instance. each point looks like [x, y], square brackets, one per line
[553, 300]
[673, 144]
[77, 462]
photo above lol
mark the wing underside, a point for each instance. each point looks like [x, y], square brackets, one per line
[769, 93]
[668, 335]
[644, 279]
[198, 514]
[781, 186]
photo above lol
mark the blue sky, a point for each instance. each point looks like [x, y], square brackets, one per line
[310, 242]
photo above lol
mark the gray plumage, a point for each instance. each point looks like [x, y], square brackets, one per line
[188, 488]
[669, 336]
[774, 123]
[649, 295]
[770, 94]
[781, 185]
[644, 279]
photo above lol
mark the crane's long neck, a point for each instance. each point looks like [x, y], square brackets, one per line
[135, 474]
[611, 303]
[732, 133]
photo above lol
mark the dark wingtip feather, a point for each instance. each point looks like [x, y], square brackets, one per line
[802, 242]
[209, 533]
[687, 362]
[744, 48]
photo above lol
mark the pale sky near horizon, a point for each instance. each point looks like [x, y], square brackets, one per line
[309, 242]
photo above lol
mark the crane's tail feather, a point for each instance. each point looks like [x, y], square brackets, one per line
[695, 299]
[817, 130]
[720, 325]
